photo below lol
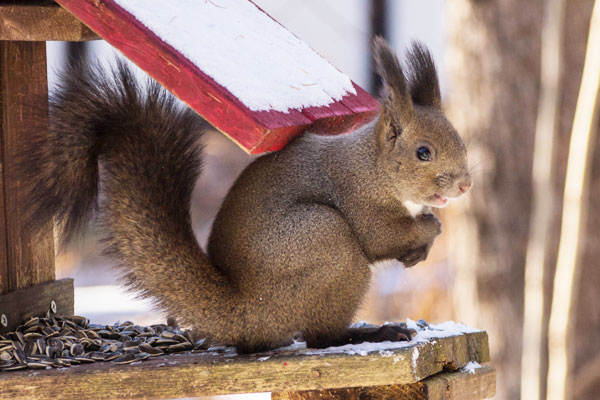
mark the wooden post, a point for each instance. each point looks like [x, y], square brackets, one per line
[24, 261]
[27, 278]
[23, 80]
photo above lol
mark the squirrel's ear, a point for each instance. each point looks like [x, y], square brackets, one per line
[422, 76]
[396, 94]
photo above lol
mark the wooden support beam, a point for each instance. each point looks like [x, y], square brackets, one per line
[41, 23]
[24, 261]
[210, 373]
[460, 385]
[35, 301]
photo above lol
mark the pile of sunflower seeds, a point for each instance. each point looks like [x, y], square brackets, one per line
[57, 342]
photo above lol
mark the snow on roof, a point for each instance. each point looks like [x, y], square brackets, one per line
[244, 50]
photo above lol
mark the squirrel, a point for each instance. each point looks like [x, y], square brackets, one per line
[291, 246]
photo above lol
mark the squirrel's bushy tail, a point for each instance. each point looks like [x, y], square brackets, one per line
[150, 158]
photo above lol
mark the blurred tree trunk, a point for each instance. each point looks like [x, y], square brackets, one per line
[585, 352]
[494, 68]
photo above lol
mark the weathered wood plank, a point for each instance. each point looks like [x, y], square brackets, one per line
[41, 23]
[23, 83]
[479, 384]
[205, 374]
[459, 385]
[35, 301]
[3, 252]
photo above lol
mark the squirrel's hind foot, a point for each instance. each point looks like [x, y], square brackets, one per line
[391, 333]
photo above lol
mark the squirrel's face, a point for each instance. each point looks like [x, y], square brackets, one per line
[421, 153]
[425, 160]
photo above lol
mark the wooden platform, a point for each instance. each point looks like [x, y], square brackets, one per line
[431, 369]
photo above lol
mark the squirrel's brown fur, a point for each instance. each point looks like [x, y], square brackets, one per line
[291, 246]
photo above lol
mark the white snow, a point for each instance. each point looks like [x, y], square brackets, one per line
[361, 349]
[363, 324]
[410, 324]
[260, 62]
[471, 367]
[453, 328]
[296, 345]
[414, 357]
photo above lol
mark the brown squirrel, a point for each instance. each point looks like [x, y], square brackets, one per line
[291, 245]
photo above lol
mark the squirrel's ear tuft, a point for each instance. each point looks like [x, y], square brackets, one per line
[422, 76]
[396, 94]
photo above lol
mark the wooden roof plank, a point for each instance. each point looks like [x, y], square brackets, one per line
[254, 131]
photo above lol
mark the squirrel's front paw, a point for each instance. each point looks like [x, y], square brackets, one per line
[429, 226]
[415, 256]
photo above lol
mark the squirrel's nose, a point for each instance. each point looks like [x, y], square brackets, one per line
[465, 185]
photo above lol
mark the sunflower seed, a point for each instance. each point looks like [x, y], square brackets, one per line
[180, 347]
[15, 367]
[98, 356]
[76, 349]
[125, 359]
[112, 356]
[32, 322]
[81, 321]
[36, 365]
[61, 342]
[7, 363]
[181, 338]
[19, 355]
[168, 335]
[153, 351]
[7, 347]
[142, 356]
[30, 348]
[85, 360]
[32, 329]
[167, 342]
[32, 336]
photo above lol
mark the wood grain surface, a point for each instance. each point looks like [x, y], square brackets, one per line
[44, 22]
[458, 385]
[23, 90]
[203, 374]
[20, 305]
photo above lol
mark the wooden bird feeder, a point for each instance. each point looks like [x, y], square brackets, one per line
[27, 274]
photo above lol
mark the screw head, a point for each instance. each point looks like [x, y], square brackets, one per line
[53, 306]
[4, 320]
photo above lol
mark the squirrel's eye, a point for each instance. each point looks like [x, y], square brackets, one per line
[423, 154]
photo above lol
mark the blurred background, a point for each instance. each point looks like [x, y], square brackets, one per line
[510, 74]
